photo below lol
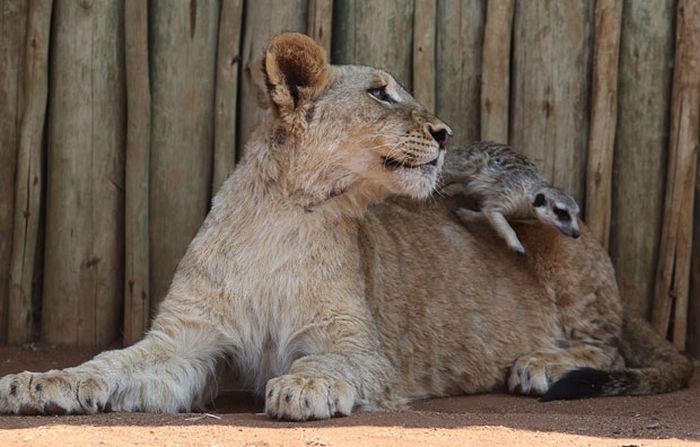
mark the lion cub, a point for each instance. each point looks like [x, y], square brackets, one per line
[506, 185]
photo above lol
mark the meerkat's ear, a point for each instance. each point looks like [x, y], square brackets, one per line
[295, 71]
[539, 200]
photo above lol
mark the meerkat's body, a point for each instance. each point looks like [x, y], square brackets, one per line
[506, 185]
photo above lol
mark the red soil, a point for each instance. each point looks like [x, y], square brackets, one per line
[482, 420]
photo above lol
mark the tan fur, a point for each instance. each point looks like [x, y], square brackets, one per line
[327, 302]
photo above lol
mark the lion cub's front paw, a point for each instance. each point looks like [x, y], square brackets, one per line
[298, 398]
[53, 392]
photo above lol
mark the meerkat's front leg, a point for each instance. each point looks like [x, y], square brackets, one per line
[468, 215]
[502, 227]
[498, 222]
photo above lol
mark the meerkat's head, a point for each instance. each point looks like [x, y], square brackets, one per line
[556, 207]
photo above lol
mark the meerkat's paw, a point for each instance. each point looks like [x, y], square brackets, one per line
[469, 215]
[298, 398]
[53, 392]
[534, 373]
[518, 248]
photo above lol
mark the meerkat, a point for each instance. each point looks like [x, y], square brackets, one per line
[506, 185]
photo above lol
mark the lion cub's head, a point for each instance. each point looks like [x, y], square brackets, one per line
[336, 129]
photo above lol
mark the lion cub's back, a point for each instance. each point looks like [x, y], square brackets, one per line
[454, 307]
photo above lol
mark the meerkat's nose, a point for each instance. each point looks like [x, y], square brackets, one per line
[440, 133]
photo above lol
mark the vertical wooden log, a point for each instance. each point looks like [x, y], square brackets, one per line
[183, 39]
[495, 77]
[460, 29]
[646, 49]
[694, 305]
[138, 145]
[82, 300]
[28, 180]
[260, 26]
[673, 271]
[601, 137]
[227, 65]
[320, 22]
[13, 15]
[424, 22]
[551, 79]
[379, 34]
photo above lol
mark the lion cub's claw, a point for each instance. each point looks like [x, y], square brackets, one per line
[296, 398]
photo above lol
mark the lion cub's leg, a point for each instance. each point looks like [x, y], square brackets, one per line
[534, 373]
[164, 372]
[351, 373]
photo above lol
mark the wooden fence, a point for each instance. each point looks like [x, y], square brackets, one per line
[119, 120]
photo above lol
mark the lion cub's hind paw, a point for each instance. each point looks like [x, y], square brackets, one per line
[534, 374]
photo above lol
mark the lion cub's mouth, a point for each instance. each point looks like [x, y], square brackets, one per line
[393, 163]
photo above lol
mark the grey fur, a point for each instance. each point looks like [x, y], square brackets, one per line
[507, 186]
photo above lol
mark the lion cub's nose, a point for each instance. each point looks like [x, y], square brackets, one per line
[440, 134]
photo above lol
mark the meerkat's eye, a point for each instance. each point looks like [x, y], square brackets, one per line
[380, 94]
[562, 214]
[539, 200]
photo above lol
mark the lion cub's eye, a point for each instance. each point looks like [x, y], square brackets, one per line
[380, 94]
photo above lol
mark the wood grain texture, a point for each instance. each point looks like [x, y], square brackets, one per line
[424, 23]
[601, 136]
[320, 22]
[138, 146]
[29, 178]
[82, 299]
[693, 345]
[673, 270]
[227, 66]
[12, 50]
[460, 29]
[183, 39]
[379, 34]
[551, 85]
[260, 25]
[646, 60]
[495, 77]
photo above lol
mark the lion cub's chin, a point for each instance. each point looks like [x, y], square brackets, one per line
[417, 183]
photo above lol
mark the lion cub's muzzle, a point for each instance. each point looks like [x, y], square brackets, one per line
[440, 133]
[421, 146]
[394, 163]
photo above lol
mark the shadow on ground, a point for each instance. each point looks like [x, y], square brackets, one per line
[674, 416]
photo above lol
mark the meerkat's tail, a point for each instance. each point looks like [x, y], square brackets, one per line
[653, 366]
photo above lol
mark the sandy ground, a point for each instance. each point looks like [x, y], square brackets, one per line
[482, 420]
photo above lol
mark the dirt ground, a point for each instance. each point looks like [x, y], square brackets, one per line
[481, 420]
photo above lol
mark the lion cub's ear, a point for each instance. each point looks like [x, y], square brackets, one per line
[295, 70]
